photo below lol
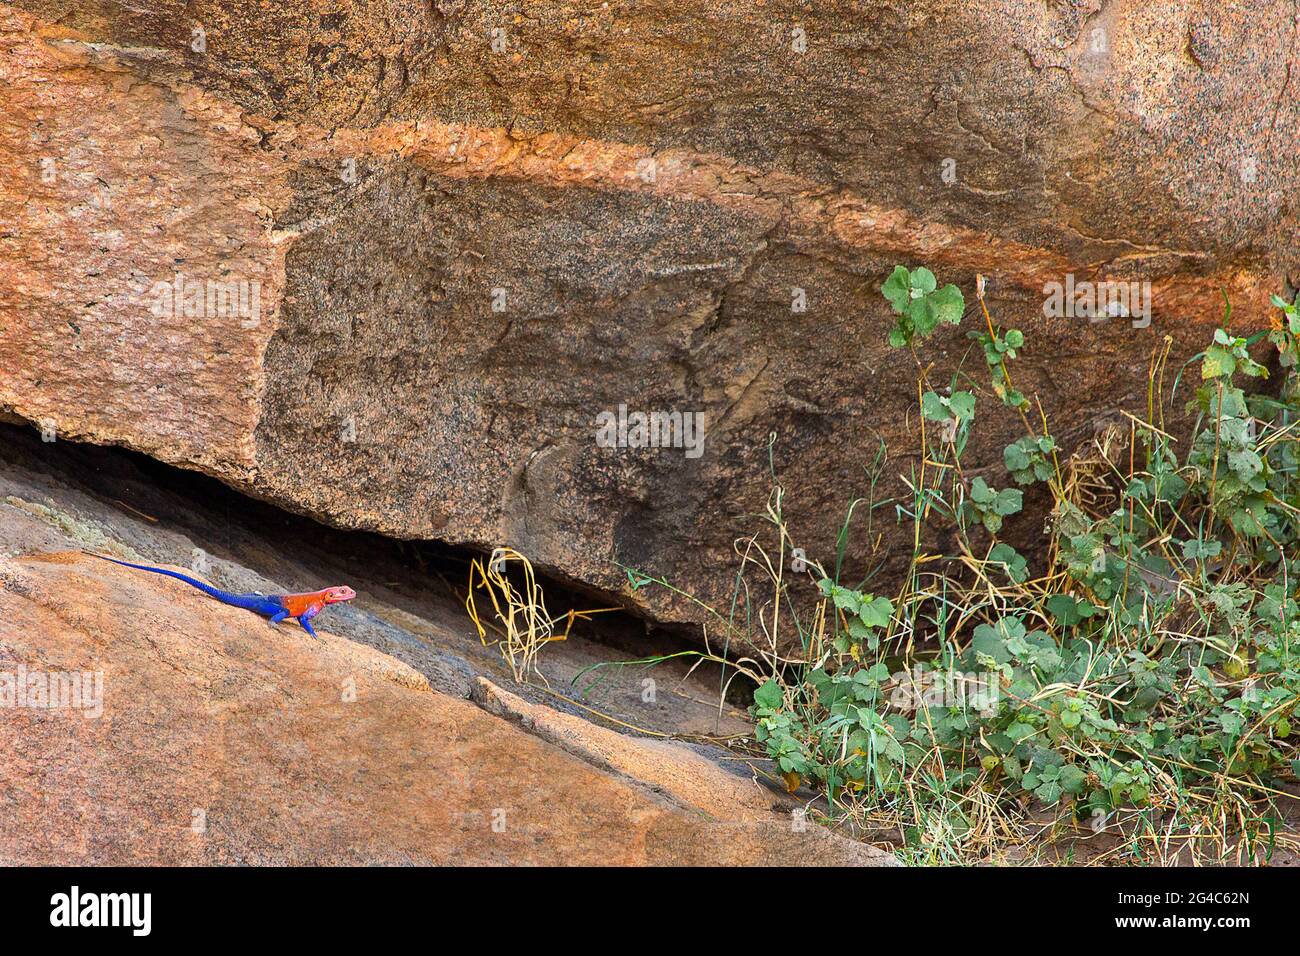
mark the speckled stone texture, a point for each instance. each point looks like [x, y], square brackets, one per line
[477, 226]
[209, 738]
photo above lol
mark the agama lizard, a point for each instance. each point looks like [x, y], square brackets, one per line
[274, 606]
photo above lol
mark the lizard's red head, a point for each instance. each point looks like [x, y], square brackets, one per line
[342, 593]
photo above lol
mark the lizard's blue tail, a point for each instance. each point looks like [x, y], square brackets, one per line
[237, 600]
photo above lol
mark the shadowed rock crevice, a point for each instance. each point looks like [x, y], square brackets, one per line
[361, 748]
[63, 495]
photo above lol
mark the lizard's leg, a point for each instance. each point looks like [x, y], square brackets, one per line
[305, 621]
[278, 616]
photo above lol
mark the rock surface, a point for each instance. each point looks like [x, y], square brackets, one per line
[218, 740]
[405, 633]
[667, 766]
[475, 229]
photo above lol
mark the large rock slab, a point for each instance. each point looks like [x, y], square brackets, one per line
[669, 767]
[215, 739]
[474, 231]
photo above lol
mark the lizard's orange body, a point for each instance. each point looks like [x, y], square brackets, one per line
[299, 604]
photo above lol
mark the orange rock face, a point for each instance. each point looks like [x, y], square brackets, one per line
[125, 193]
[212, 738]
[390, 271]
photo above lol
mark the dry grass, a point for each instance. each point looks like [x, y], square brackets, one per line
[519, 618]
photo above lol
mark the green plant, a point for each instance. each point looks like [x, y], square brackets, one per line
[998, 350]
[1027, 460]
[989, 507]
[940, 408]
[921, 306]
[1139, 672]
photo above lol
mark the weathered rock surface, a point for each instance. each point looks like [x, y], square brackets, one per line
[667, 766]
[219, 740]
[465, 256]
[64, 496]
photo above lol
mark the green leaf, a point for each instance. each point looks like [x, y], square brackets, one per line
[922, 307]
[1009, 501]
[897, 288]
[923, 280]
[1014, 458]
[963, 405]
[1017, 567]
[935, 407]
[1218, 362]
[846, 599]
[921, 312]
[876, 612]
[769, 696]
[1049, 792]
[1195, 549]
[1246, 464]
[1061, 607]
[1020, 731]
[991, 642]
[949, 304]
[876, 674]
[1073, 780]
